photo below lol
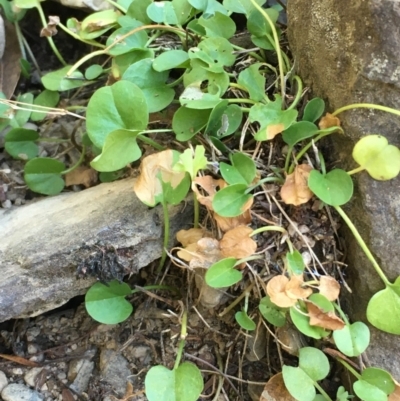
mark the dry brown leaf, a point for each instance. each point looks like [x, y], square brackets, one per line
[295, 290]
[67, 395]
[19, 360]
[320, 318]
[276, 290]
[50, 30]
[210, 185]
[81, 176]
[275, 390]
[328, 120]
[207, 253]
[236, 243]
[290, 339]
[295, 190]
[191, 236]
[274, 129]
[395, 396]
[329, 287]
[147, 187]
[227, 223]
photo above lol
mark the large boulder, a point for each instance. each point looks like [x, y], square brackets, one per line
[43, 244]
[349, 52]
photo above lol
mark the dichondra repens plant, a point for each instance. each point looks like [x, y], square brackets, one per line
[222, 99]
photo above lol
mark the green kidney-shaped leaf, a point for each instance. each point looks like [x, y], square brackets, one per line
[219, 25]
[186, 122]
[244, 321]
[299, 385]
[120, 106]
[314, 362]
[260, 29]
[136, 41]
[368, 392]
[223, 274]
[381, 160]
[138, 10]
[46, 98]
[313, 110]
[299, 131]
[182, 384]
[120, 148]
[254, 82]
[158, 95]
[334, 188]
[241, 6]
[171, 59]
[383, 309]
[21, 117]
[19, 143]
[98, 23]
[273, 120]
[208, 7]
[353, 339]
[94, 71]
[242, 170]
[107, 304]
[375, 385]
[231, 200]
[43, 175]
[58, 80]
[272, 313]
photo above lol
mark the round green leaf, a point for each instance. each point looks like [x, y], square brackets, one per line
[171, 59]
[313, 110]
[334, 188]
[242, 170]
[137, 41]
[368, 392]
[93, 72]
[299, 131]
[231, 201]
[271, 312]
[120, 148]
[314, 362]
[383, 310]
[381, 160]
[241, 6]
[254, 82]
[162, 12]
[353, 339]
[22, 116]
[219, 25]
[380, 378]
[19, 143]
[299, 385]
[223, 274]
[158, 95]
[182, 384]
[43, 175]
[186, 123]
[244, 321]
[107, 304]
[120, 106]
[46, 98]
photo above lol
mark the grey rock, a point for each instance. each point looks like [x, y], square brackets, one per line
[31, 375]
[84, 369]
[3, 380]
[114, 370]
[42, 243]
[20, 392]
[349, 52]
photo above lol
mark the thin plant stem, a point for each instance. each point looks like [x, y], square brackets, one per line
[117, 6]
[156, 287]
[322, 391]
[50, 39]
[263, 181]
[52, 140]
[77, 37]
[79, 162]
[196, 208]
[252, 54]
[356, 170]
[166, 235]
[20, 39]
[150, 142]
[241, 100]
[298, 93]
[236, 301]
[366, 106]
[182, 340]
[349, 368]
[341, 313]
[277, 48]
[268, 228]
[237, 86]
[363, 245]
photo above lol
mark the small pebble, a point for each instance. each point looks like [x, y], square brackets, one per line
[31, 375]
[3, 380]
[32, 349]
[20, 392]
[6, 204]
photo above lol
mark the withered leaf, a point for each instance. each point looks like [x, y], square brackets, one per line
[236, 243]
[329, 287]
[275, 390]
[81, 176]
[295, 190]
[320, 318]
[294, 288]
[276, 289]
[274, 129]
[328, 120]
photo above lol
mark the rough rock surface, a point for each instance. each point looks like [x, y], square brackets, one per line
[43, 243]
[349, 52]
